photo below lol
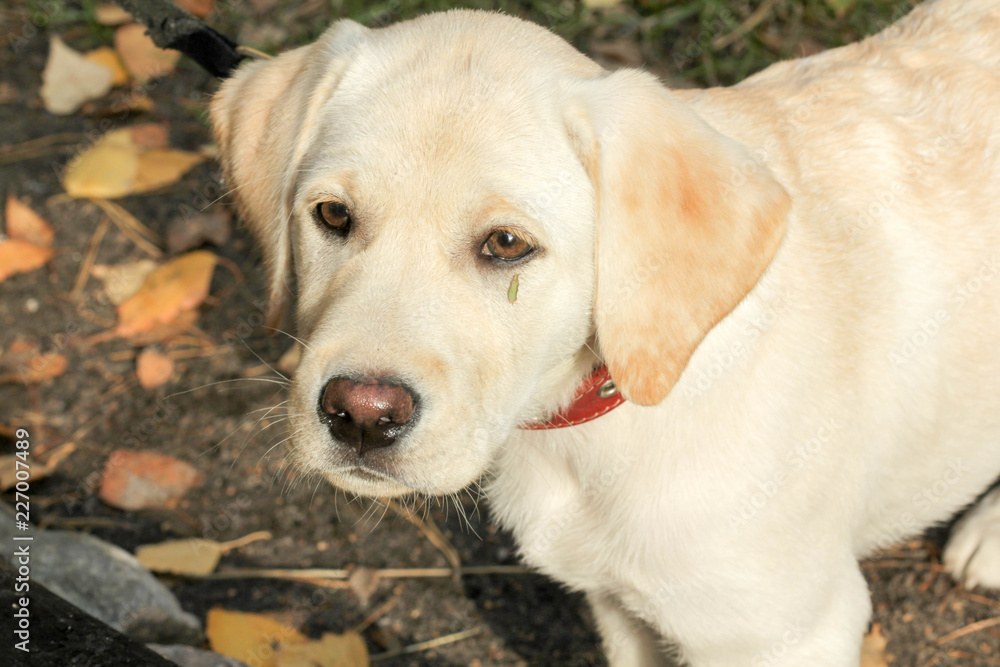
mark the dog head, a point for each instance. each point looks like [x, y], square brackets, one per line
[471, 212]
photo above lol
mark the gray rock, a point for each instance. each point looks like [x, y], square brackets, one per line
[105, 581]
[185, 656]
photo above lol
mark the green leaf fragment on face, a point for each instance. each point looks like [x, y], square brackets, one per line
[512, 290]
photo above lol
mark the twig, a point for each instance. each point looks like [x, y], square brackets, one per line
[38, 147]
[752, 22]
[916, 564]
[136, 232]
[376, 614]
[427, 645]
[969, 629]
[88, 260]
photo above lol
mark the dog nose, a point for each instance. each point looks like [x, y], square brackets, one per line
[366, 415]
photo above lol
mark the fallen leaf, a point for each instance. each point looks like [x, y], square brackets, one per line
[21, 257]
[200, 8]
[147, 136]
[143, 59]
[108, 57]
[134, 480]
[187, 232]
[251, 638]
[512, 290]
[179, 285]
[332, 650]
[189, 557]
[124, 280]
[25, 363]
[363, 582]
[153, 368]
[23, 224]
[108, 13]
[161, 167]
[70, 79]
[194, 556]
[106, 170]
[126, 161]
[39, 471]
[183, 324]
[873, 648]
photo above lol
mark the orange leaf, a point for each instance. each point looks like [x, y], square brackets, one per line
[161, 167]
[21, 257]
[177, 286]
[153, 369]
[200, 8]
[23, 224]
[248, 637]
[873, 648]
[143, 59]
[108, 57]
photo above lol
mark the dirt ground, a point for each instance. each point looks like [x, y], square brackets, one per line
[209, 415]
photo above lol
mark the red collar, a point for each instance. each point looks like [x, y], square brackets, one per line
[595, 397]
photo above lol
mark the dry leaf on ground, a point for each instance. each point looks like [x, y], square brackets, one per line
[179, 285]
[39, 471]
[108, 57]
[108, 13]
[200, 8]
[248, 637]
[123, 280]
[346, 650]
[70, 79]
[134, 480]
[187, 232]
[143, 59]
[873, 648]
[21, 257]
[195, 556]
[24, 224]
[363, 583]
[153, 368]
[126, 161]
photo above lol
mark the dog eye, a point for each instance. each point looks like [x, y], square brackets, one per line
[334, 214]
[506, 245]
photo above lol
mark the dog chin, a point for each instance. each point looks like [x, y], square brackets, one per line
[369, 484]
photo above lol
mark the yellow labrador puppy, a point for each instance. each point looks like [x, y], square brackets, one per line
[793, 282]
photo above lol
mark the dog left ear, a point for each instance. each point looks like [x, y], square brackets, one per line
[263, 117]
[687, 222]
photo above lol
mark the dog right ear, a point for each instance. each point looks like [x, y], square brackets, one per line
[264, 117]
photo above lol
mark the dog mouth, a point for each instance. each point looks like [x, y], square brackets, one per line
[369, 475]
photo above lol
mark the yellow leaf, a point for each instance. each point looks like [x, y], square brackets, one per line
[109, 58]
[161, 167]
[127, 161]
[143, 59]
[20, 257]
[177, 286]
[106, 171]
[192, 557]
[69, 79]
[248, 637]
[346, 650]
[24, 224]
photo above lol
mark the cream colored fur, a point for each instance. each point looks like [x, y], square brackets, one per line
[795, 280]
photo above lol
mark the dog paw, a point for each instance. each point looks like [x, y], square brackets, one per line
[972, 555]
